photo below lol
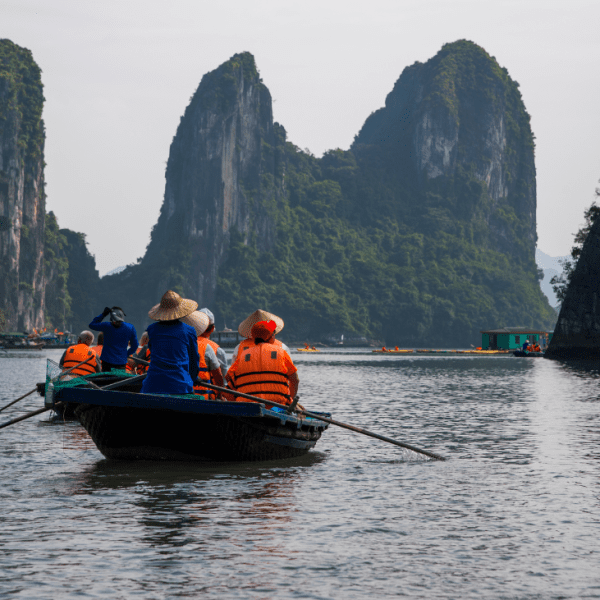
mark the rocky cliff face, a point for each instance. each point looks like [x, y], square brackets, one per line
[577, 332]
[457, 126]
[423, 233]
[22, 201]
[220, 177]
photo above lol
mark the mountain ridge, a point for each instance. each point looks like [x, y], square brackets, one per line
[425, 234]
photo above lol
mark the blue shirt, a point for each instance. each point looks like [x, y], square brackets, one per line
[174, 359]
[115, 349]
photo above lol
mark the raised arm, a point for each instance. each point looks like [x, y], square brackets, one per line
[97, 324]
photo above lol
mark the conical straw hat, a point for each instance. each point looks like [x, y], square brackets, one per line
[245, 327]
[172, 306]
[198, 320]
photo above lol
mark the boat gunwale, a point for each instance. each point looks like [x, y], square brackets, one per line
[118, 399]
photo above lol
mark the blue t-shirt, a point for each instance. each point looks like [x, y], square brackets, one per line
[116, 339]
[174, 359]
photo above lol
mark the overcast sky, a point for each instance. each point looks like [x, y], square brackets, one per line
[118, 75]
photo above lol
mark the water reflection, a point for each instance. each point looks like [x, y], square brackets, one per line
[114, 474]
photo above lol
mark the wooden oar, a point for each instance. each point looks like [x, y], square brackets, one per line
[312, 415]
[53, 380]
[327, 420]
[28, 415]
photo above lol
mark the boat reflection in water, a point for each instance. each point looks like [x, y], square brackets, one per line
[204, 514]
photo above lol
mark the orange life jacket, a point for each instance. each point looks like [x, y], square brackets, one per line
[261, 371]
[250, 343]
[76, 354]
[203, 373]
[97, 350]
[138, 368]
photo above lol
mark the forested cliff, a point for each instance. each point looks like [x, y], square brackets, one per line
[42, 268]
[22, 202]
[423, 232]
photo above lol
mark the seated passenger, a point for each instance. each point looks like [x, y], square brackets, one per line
[81, 351]
[209, 366]
[525, 345]
[245, 328]
[264, 369]
[120, 339]
[98, 347]
[174, 365]
[142, 352]
[221, 356]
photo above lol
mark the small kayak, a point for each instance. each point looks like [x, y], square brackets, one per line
[308, 349]
[393, 351]
[523, 354]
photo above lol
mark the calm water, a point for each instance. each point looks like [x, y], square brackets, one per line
[513, 513]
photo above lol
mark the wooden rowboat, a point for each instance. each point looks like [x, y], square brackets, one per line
[129, 425]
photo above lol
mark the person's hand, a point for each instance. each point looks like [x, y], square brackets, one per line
[106, 311]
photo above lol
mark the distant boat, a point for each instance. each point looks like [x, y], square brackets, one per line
[18, 341]
[6, 346]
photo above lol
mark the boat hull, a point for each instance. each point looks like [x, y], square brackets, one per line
[129, 426]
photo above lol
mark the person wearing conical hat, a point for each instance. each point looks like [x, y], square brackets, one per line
[221, 356]
[264, 369]
[120, 338]
[245, 329]
[174, 365]
[209, 366]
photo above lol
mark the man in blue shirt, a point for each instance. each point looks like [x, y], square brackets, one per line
[118, 335]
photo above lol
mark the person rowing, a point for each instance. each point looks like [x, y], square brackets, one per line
[174, 347]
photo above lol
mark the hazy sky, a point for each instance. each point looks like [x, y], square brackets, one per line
[118, 75]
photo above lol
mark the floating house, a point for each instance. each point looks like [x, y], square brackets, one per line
[511, 338]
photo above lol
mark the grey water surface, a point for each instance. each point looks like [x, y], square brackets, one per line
[513, 513]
